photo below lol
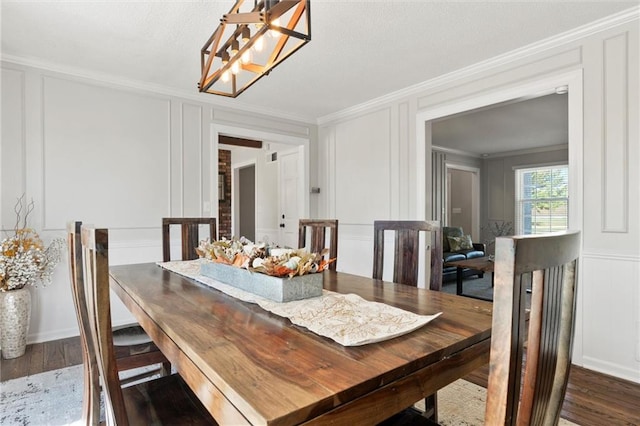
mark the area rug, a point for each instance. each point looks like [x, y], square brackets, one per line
[473, 286]
[462, 404]
[55, 398]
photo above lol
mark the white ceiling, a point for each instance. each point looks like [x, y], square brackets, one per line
[360, 50]
[510, 126]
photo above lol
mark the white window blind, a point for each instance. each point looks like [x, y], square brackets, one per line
[542, 199]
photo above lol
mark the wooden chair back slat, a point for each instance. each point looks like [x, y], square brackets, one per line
[318, 237]
[190, 235]
[548, 263]
[95, 246]
[91, 388]
[407, 250]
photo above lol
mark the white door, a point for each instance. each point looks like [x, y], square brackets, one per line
[289, 181]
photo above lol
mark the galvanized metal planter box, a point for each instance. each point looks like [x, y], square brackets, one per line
[272, 288]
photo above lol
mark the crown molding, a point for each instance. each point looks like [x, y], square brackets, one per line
[446, 150]
[549, 148]
[620, 18]
[153, 88]
[526, 151]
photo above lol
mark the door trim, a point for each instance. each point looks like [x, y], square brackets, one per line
[546, 84]
[218, 129]
[475, 196]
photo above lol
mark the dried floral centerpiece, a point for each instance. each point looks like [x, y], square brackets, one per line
[259, 257]
[24, 260]
[282, 274]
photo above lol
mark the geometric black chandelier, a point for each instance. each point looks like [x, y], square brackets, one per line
[249, 44]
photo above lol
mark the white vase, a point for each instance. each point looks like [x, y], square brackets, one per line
[15, 314]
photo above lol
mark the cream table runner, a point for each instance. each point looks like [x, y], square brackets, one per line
[347, 319]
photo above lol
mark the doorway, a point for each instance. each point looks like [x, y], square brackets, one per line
[462, 202]
[247, 202]
[266, 209]
[572, 82]
[289, 184]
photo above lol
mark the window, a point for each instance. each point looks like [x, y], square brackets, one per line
[542, 199]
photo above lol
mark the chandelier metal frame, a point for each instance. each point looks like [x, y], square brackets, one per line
[224, 58]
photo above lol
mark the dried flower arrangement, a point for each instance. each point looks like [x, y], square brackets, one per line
[24, 260]
[258, 257]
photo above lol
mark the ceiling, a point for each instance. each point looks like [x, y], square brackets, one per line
[360, 50]
[509, 126]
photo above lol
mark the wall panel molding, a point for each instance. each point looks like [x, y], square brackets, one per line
[363, 167]
[106, 134]
[615, 138]
[97, 78]
[609, 256]
[13, 172]
[405, 160]
[191, 141]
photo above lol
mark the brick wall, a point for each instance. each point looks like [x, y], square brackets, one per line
[224, 206]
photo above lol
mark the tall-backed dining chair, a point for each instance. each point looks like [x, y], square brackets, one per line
[549, 264]
[407, 250]
[405, 269]
[133, 347]
[190, 235]
[163, 401]
[532, 395]
[318, 229]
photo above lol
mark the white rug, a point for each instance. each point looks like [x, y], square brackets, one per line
[55, 398]
[462, 404]
[50, 398]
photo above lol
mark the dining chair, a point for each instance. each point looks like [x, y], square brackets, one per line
[134, 348]
[163, 401]
[190, 227]
[547, 263]
[405, 271]
[538, 338]
[407, 250]
[318, 229]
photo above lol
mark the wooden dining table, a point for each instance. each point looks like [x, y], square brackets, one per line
[249, 366]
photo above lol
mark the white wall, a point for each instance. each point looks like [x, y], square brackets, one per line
[116, 157]
[383, 134]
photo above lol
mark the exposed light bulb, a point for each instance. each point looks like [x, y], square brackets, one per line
[259, 44]
[246, 34]
[274, 33]
[225, 76]
[235, 67]
[246, 57]
[235, 46]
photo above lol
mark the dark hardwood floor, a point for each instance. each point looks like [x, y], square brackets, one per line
[592, 399]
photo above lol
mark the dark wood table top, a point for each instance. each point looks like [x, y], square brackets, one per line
[249, 366]
[485, 264]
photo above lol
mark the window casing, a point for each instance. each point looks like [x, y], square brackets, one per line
[542, 199]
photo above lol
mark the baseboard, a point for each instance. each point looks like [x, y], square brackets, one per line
[54, 335]
[616, 370]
